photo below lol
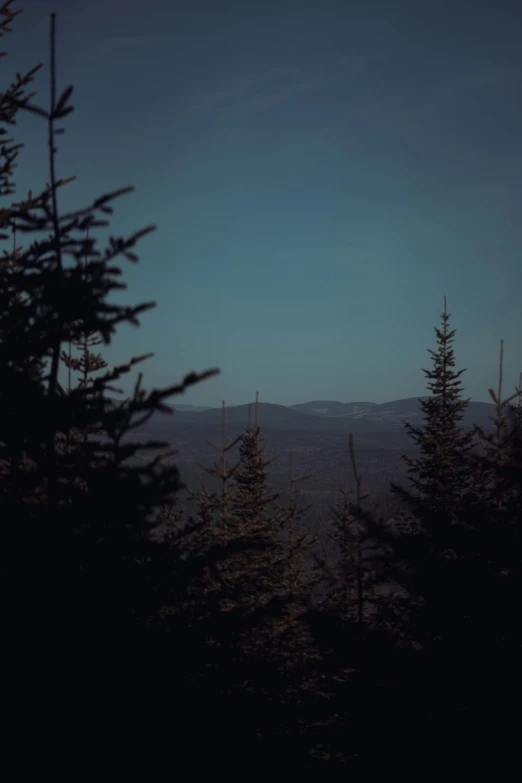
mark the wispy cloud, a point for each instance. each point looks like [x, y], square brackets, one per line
[276, 96]
[254, 90]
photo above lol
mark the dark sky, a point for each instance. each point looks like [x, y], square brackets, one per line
[321, 175]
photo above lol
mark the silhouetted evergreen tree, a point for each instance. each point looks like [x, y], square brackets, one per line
[440, 475]
[432, 533]
[52, 293]
[269, 579]
[273, 590]
[237, 619]
[243, 517]
[496, 521]
[499, 463]
[458, 563]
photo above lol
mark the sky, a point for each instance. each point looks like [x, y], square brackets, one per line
[321, 175]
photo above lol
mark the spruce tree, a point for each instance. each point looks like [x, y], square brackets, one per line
[52, 293]
[499, 463]
[430, 541]
[440, 476]
[271, 577]
[236, 616]
[205, 538]
[496, 520]
[277, 651]
[459, 567]
[261, 572]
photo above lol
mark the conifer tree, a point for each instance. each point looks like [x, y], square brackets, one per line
[460, 568]
[16, 464]
[496, 520]
[271, 577]
[205, 535]
[243, 612]
[430, 540]
[262, 566]
[499, 465]
[252, 500]
[86, 365]
[271, 591]
[206, 540]
[440, 476]
[45, 301]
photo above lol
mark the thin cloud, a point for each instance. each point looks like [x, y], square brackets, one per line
[278, 84]
[254, 90]
[277, 96]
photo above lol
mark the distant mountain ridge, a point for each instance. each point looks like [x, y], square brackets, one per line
[367, 419]
[406, 409]
[197, 408]
[331, 407]
[318, 426]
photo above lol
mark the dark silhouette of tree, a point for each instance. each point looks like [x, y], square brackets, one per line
[495, 520]
[440, 476]
[431, 532]
[52, 293]
[499, 463]
[243, 516]
[272, 579]
[457, 560]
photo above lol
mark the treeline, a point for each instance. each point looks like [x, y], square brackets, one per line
[224, 640]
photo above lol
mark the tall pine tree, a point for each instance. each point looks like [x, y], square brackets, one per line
[439, 475]
[432, 536]
[459, 565]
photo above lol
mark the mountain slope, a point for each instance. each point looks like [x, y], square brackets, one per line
[395, 411]
[331, 408]
[371, 421]
[197, 408]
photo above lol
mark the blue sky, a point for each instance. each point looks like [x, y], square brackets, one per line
[321, 175]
